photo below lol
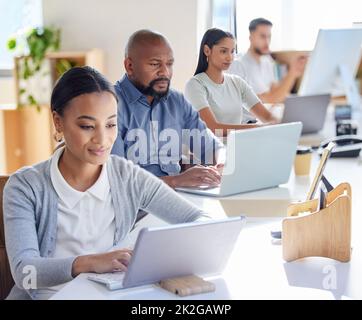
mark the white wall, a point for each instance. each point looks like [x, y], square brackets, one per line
[107, 25]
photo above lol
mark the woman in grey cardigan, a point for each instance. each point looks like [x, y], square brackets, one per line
[63, 215]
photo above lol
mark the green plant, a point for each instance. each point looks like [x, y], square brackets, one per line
[34, 44]
[64, 65]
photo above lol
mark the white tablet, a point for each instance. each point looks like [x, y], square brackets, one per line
[199, 248]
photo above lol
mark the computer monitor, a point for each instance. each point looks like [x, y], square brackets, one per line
[333, 64]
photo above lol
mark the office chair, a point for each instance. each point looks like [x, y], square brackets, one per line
[6, 279]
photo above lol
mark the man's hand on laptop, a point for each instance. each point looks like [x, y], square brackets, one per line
[100, 263]
[196, 176]
[219, 167]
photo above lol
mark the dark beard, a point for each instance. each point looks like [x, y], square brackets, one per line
[150, 91]
[258, 52]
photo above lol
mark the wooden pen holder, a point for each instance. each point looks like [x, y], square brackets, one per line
[323, 233]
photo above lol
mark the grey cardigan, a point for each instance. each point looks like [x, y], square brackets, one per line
[30, 206]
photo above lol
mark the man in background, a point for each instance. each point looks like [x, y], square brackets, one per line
[258, 68]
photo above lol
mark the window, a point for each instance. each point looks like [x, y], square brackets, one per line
[223, 15]
[331, 14]
[295, 22]
[15, 16]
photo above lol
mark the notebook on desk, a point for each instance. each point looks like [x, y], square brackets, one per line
[196, 248]
[256, 159]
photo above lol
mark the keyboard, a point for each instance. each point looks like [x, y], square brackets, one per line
[113, 280]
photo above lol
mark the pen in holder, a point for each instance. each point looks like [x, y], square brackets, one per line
[324, 231]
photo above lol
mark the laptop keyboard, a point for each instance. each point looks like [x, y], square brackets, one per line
[206, 187]
[113, 280]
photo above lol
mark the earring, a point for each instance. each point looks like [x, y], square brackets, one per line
[207, 59]
[58, 137]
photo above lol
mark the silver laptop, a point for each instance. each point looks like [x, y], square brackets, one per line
[256, 159]
[310, 110]
[196, 248]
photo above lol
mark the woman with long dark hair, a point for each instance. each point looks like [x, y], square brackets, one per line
[72, 209]
[221, 98]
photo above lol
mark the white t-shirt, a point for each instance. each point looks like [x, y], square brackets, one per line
[259, 75]
[86, 220]
[226, 100]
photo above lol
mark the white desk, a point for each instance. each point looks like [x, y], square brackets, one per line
[256, 269]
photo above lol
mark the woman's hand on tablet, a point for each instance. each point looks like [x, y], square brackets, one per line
[100, 263]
